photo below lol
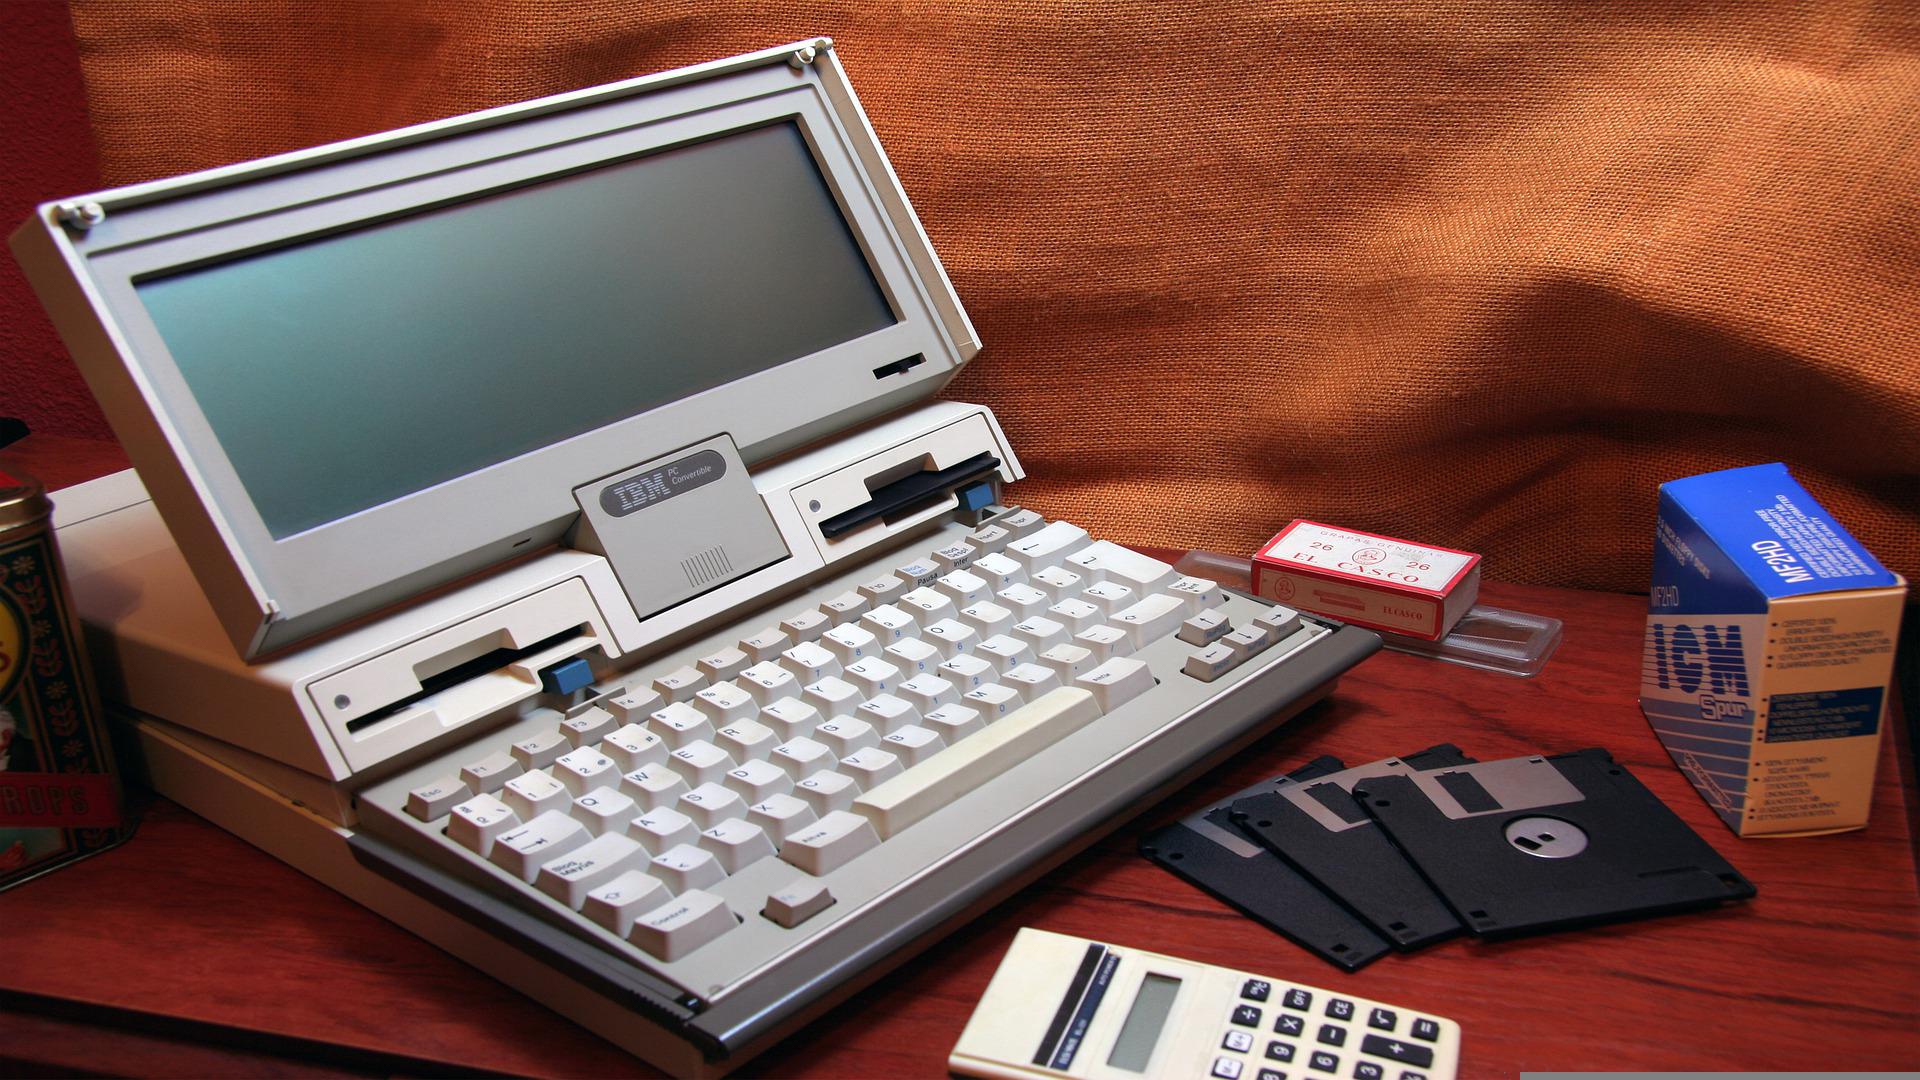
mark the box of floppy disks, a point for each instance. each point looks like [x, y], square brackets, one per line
[1769, 644]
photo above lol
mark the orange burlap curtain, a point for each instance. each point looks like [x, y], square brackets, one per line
[1482, 275]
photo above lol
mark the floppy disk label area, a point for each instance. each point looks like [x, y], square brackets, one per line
[1493, 787]
[1319, 829]
[1542, 843]
[1327, 799]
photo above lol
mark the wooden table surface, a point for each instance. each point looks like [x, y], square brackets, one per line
[187, 953]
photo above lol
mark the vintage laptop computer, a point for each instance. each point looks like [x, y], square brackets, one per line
[546, 532]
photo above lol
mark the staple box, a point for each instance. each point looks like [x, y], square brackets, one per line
[1366, 579]
[1770, 640]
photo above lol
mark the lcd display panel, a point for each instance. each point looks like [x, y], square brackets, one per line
[343, 372]
[1140, 1032]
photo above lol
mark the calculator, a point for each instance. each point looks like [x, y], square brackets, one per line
[1065, 1006]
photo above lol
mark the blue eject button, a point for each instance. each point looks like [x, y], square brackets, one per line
[566, 676]
[976, 496]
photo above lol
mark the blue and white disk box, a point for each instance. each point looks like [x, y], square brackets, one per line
[1769, 646]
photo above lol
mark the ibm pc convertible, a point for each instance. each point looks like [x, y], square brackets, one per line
[547, 533]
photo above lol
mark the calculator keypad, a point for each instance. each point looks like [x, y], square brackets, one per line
[1376, 1057]
[1394, 1050]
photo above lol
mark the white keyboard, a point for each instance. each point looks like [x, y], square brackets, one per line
[751, 813]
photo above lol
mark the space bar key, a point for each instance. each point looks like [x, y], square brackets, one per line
[951, 773]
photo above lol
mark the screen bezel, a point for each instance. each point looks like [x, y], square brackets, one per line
[366, 553]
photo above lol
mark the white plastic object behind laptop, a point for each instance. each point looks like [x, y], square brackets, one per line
[1486, 637]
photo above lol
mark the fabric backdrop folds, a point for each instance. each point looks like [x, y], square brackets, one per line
[1476, 274]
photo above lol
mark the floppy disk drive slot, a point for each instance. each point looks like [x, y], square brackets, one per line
[472, 669]
[862, 502]
[459, 681]
[910, 494]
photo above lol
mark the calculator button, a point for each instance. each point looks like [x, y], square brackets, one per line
[1384, 1019]
[1298, 999]
[1246, 1016]
[1394, 1050]
[1270, 1074]
[1237, 1041]
[1226, 1068]
[1426, 1029]
[1279, 1051]
[1256, 990]
[1411, 1075]
[1333, 1034]
[1367, 1070]
[1340, 1009]
[1323, 1061]
[1289, 1025]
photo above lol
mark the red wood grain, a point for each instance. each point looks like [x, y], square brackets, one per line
[1820, 972]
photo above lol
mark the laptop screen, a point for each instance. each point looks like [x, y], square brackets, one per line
[343, 372]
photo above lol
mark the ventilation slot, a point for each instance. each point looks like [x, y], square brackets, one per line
[706, 566]
[899, 366]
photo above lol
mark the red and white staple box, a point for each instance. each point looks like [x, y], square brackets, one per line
[1369, 580]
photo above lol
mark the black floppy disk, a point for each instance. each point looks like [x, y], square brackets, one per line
[1317, 826]
[1542, 843]
[1205, 849]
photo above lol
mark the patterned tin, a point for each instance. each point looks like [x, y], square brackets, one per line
[59, 791]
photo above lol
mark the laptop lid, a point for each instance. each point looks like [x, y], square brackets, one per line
[354, 373]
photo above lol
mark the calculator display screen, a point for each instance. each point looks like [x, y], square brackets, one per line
[1151, 1006]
